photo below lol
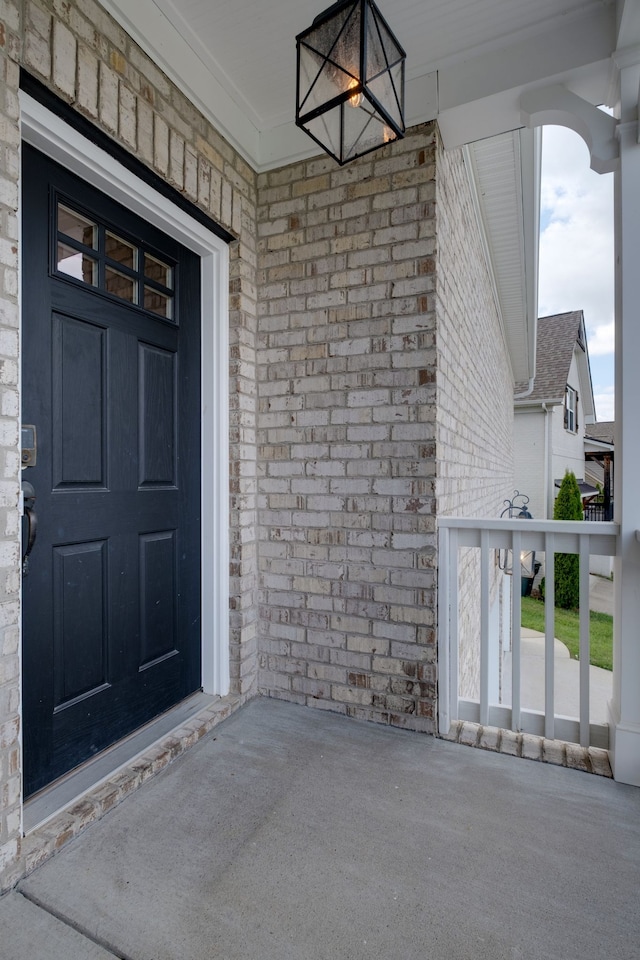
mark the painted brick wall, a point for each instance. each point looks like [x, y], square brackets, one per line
[86, 58]
[475, 392]
[374, 292]
[346, 433]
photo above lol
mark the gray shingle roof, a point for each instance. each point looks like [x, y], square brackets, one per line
[556, 339]
[600, 431]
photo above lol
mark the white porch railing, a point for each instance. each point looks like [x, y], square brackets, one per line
[489, 537]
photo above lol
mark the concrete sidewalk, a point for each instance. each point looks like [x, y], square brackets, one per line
[566, 670]
[292, 833]
[566, 680]
[601, 594]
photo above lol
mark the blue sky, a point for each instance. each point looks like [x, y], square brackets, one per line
[576, 251]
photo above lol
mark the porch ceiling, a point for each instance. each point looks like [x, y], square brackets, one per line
[467, 60]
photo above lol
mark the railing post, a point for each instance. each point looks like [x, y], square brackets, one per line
[585, 645]
[625, 704]
[447, 628]
[549, 635]
[453, 626]
[444, 635]
[484, 627]
[516, 633]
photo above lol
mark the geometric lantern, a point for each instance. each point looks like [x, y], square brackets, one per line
[350, 81]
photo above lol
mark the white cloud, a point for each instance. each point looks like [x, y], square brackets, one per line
[577, 245]
[605, 404]
[601, 340]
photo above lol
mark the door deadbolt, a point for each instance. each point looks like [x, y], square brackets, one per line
[29, 445]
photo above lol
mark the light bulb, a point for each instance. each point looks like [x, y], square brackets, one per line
[356, 98]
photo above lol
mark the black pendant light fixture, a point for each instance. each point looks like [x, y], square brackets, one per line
[350, 81]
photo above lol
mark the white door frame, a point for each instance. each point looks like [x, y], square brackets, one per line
[58, 140]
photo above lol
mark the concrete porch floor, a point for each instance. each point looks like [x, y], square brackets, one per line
[293, 833]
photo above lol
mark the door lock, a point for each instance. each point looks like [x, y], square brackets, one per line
[29, 444]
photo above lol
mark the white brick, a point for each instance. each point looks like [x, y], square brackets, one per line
[127, 116]
[64, 58]
[87, 81]
[176, 159]
[38, 54]
[108, 97]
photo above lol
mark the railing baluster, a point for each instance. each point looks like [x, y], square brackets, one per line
[454, 683]
[585, 642]
[516, 632]
[484, 627]
[549, 631]
[444, 635]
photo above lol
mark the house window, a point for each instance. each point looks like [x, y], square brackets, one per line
[571, 410]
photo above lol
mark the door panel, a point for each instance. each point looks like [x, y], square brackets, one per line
[80, 632]
[111, 603]
[157, 377]
[79, 403]
[157, 596]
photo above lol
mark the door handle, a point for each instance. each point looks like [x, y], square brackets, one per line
[29, 497]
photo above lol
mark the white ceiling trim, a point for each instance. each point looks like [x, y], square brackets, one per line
[154, 34]
[175, 17]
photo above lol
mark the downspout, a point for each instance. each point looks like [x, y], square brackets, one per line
[525, 393]
[547, 462]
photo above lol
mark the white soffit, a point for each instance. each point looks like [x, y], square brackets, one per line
[505, 172]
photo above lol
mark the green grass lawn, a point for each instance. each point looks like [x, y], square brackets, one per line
[568, 630]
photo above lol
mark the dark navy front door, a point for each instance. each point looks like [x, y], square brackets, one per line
[111, 382]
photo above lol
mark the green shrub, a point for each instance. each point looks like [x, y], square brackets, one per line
[568, 506]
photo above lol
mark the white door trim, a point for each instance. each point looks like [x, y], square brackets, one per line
[55, 138]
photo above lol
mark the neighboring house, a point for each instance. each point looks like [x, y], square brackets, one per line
[599, 472]
[258, 380]
[551, 417]
[599, 459]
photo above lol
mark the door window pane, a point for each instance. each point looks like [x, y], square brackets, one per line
[76, 264]
[119, 285]
[121, 251]
[156, 270]
[158, 303]
[77, 227]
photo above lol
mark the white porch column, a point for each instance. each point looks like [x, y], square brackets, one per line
[625, 705]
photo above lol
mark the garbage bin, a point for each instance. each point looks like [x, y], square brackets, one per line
[526, 583]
